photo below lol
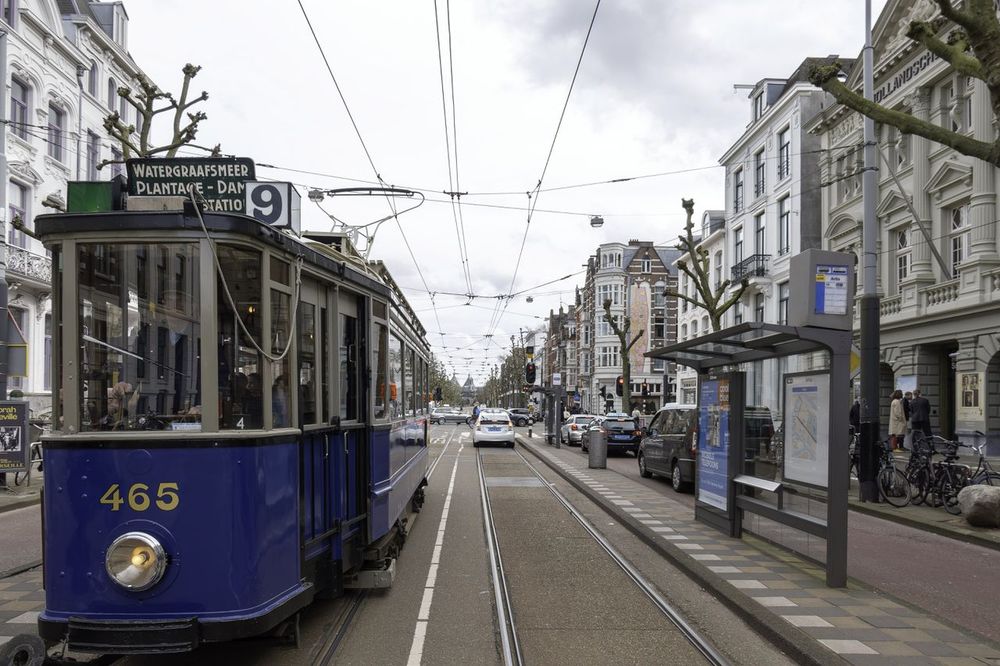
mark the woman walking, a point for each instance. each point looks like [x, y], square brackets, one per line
[897, 421]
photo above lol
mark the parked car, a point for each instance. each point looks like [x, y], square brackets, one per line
[493, 427]
[575, 428]
[621, 430]
[444, 415]
[521, 416]
[670, 445]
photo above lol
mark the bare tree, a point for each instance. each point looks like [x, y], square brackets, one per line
[147, 103]
[972, 48]
[710, 298]
[626, 346]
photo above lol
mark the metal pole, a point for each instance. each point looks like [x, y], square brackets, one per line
[870, 429]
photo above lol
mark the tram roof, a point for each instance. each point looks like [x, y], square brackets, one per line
[48, 227]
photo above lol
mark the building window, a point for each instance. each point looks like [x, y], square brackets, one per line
[18, 204]
[10, 12]
[19, 100]
[116, 162]
[950, 109]
[609, 292]
[608, 357]
[758, 233]
[758, 307]
[123, 109]
[783, 294]
[19, 322]
[57, 132]
[738, 190]
[758, 106]
[784, 226]
[694, 329]
[704, 324]
[647, 266]
[718, 269]
[93, 154]
[738, 312]
[92, 80]
[112, 94]
[902, 255]
[784, 153]
[737, 246]
[758, 173]
[960, 237]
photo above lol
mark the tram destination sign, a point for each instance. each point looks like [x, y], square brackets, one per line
[14, 445]
[221, 181]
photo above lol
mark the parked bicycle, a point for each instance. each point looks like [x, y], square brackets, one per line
[893, 485]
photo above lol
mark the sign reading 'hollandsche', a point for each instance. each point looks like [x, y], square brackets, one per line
[903, 76]
[221, 181]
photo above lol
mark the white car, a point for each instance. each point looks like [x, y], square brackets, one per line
[493, 427]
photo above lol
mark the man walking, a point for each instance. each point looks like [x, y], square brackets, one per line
[920, 413]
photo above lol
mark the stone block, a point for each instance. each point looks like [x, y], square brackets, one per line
[980, 505]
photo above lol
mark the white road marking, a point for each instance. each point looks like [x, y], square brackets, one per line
[423, 615]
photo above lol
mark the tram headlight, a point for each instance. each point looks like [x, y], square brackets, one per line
[136, 561]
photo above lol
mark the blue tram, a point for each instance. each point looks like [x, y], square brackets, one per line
[241, 425]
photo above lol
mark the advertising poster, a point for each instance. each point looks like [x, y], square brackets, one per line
[807, 428]
[713, 443]
[14, 443]
[971, 413]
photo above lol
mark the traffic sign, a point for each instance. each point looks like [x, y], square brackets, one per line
[556, 379]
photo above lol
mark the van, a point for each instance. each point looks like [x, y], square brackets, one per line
[670, 444]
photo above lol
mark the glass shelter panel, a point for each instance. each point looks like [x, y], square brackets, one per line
[240, 385]
[140, 357]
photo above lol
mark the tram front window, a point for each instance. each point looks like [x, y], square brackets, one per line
[140, 337]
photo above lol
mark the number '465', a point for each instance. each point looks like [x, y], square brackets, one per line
[138, 498]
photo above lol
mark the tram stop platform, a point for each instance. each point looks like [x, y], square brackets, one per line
[781, 595]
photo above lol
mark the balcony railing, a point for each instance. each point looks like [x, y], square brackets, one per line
[30, 265]
[753, 266]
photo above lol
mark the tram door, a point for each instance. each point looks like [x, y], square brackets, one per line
[351, 408]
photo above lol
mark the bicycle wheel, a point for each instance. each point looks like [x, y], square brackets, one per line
[894, 487]
[22, 477]
[987, 479]
[949, 497]
[920, 482]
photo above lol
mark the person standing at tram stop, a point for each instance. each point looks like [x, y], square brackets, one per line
[920, 413]
[908, 440]
[897, 421]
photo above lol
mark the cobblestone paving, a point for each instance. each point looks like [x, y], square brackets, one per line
[861, 626]
[21, 600]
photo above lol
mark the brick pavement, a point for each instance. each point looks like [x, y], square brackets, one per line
[21, 600]
[859, 625]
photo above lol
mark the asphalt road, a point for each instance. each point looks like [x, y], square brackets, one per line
[950, 579]
[20, 537]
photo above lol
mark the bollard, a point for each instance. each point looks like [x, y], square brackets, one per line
[529, 433]
[597, 445]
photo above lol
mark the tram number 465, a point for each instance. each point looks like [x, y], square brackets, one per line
[138, 498]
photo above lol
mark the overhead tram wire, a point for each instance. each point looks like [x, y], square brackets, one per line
[495, 324]
[364, 147]
[453, 186]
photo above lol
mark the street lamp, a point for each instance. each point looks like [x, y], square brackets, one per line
[597, 221]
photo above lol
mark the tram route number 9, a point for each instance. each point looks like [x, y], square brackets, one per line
[167, 497]
[276, 204]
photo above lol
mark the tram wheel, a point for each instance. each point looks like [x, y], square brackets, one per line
[23, 650]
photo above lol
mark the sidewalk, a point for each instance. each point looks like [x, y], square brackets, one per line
[781, 595]
[19, 496]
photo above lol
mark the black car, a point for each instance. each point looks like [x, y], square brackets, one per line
[671, 445]
[520, 416]
[623, 433]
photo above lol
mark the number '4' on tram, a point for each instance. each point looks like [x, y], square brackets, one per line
[240, 426]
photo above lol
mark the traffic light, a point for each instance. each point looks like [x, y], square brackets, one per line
[529, 372]
[603, 391]
[619, 386]
[645, 389]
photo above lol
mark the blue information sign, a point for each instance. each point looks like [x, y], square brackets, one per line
[713, 443]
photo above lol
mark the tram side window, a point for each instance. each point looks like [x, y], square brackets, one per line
[307, 362]
[395, 377]
[408, 405]
[348, 368]
[281, 399]
[327, 372]
[241, 396]
[117, 390]
[381, 350]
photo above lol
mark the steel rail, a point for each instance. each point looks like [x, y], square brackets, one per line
[510, 645]
[338, 631]
[692, 635]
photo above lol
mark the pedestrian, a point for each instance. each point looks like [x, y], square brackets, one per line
[920, 414]
[636, 414]
[475, 411]
[855, 416]
[908, 440]
[897, 421]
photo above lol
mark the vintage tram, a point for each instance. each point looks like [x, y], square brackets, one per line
[240, 426]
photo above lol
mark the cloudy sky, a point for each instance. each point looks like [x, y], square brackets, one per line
[654, 95]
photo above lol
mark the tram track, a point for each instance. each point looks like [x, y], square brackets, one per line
[505, 612]
[336, 631]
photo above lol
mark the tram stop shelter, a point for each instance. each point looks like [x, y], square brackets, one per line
[814, 457]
